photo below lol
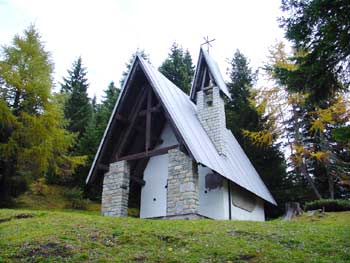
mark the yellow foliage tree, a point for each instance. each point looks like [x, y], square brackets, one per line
[32, 127]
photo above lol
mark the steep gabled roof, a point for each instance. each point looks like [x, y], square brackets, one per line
[206, 65]
[235, 166]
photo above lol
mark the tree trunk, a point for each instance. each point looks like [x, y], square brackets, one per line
[309, 179]
[292, 210]
[330, 185]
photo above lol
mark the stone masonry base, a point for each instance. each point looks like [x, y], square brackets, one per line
[115, 194]
[182, 194]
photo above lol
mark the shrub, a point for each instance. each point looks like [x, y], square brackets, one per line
[73, 193]
[76, 199]
[39, 187]
[330, 205]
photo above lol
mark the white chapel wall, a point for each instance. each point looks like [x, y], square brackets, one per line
[215, 203]
[258, 213]
[211, 202]
[154, 193]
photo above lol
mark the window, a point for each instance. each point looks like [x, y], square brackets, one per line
[242, 198]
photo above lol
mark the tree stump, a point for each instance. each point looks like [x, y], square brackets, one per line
[292, 210]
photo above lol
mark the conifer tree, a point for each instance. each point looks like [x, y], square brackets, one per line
[319, 28]
[78, 109]
[33, 140]
[244, 115]
[91, 139]
[315, 154]
[140, 52]
[178, 67]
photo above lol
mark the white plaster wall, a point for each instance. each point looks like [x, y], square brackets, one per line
[212, 203]
[215, 203]
[154, 193]
[258, 214]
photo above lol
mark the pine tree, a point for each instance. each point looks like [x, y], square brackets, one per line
[243, 115]
[78, 109]
[33, 140]
[178, 67]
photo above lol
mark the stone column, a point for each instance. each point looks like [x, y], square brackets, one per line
[115, 194]
[182, 194]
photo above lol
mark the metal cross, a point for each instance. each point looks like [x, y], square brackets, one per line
[207, 42]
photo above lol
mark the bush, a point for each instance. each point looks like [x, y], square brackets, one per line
[76, 198]
[330, 205]
[39, 187]
[73, 193]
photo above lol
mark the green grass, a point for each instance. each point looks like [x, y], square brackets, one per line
[52, 199]
[59, 236]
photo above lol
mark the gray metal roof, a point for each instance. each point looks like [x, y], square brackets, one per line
[235, 166]
[213, 69]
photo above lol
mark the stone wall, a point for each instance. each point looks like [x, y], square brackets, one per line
[182, 194]
[115, 194]
[212, 116]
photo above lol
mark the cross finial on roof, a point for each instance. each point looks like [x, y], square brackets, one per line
[207, 42]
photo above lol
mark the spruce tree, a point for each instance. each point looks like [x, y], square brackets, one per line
[320, 29]
[178, 67]
[78, 109]
[243, 115]
[91, 139]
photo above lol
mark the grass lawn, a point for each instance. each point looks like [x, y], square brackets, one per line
[59, 236]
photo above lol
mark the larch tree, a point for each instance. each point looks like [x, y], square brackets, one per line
[34, 141]
[309, 129]
[178, 67]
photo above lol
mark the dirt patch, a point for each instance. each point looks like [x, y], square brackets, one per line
[36, 252]
[140, 259]
[18, 216]
[244, 258]
[172, 240]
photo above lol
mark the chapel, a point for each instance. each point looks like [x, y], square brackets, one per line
[170, 154]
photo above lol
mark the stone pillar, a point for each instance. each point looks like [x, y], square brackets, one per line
[211, 114]
[182, 194]
[115, 194]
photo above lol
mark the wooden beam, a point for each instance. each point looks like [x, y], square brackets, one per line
[178, 135]
[148, 120]
[121, 118]
[147, 154]
[103, 167]
[133, 119]
[137, 180]
[156, 108]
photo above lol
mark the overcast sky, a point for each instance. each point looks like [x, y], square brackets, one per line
[106, 32]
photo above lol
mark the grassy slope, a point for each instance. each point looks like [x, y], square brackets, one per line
[52, 199]
[86, 236]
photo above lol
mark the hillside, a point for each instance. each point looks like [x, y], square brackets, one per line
[49, 236]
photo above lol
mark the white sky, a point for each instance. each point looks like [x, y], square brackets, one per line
[106, 32]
